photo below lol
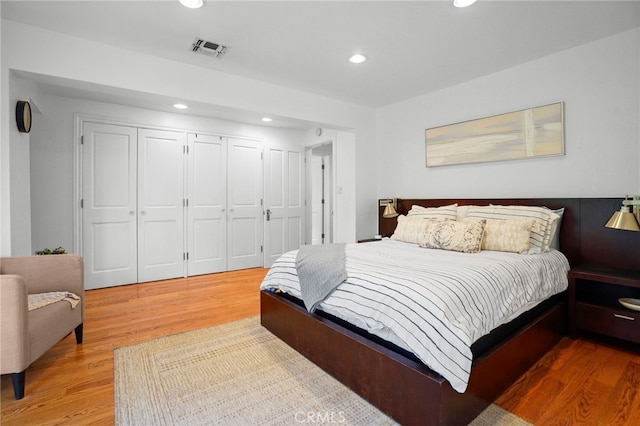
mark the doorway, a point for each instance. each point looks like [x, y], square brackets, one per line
[320, 195]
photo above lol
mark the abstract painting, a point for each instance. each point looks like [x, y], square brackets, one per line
[533, 132]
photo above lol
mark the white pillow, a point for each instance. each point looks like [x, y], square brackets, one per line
[540, 238]
[443, 212]
[555, 230]
[462, 211]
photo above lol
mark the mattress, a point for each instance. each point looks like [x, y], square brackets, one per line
[432, 303]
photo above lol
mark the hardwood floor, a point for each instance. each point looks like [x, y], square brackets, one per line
[73, 384]
[578, 382]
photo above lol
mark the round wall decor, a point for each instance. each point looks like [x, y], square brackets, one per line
[23, 116]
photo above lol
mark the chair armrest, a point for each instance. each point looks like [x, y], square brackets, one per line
[14, 327]
[42, 274]
[60, 272]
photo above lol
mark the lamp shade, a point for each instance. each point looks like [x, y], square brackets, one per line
[389, 211]
[623, 219]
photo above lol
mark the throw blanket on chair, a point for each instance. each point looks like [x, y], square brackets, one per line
[39, 300]
[321, 268]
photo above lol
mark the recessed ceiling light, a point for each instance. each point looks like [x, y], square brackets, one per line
[192, 4]
[357, 58]
[180, 106]
[267, 119]
[463, 3]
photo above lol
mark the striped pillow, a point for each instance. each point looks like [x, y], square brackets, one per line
[540, 237]
[443, 212]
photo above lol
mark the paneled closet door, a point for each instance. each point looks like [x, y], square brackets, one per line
[284, 200]
[244, 198]
[161, 247]
[207, 204]
[109, 233]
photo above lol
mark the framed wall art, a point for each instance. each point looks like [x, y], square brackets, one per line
[528, 133]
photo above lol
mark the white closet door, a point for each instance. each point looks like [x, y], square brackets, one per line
[109, 164]
[207, 203]
[284, 201]
[244, 197]
[160, 204]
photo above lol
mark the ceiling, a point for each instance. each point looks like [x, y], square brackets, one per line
[414, 47]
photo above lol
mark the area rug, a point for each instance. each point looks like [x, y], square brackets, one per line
[238, 374]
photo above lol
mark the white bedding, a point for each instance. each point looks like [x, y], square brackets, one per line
[434, 303]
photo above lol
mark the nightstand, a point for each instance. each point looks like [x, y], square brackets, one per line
[594, 306]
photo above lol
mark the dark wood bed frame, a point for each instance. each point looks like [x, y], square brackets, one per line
[407, 390]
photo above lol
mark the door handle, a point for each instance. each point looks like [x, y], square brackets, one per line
[268, 215]
[624, 317]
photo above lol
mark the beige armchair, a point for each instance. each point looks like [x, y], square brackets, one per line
[26, 335]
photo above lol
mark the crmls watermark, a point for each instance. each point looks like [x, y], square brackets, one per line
[319, 417]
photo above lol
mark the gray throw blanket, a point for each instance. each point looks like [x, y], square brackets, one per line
[321, 268]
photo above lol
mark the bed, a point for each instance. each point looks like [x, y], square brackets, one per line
[393, 377]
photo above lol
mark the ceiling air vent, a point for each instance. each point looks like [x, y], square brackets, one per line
[208, 48]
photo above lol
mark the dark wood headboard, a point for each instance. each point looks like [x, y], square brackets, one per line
[583, 236]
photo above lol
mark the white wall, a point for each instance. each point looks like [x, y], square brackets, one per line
[39, 51]
[19, 172]
[600, 85]
[5, 192]
[345, 163]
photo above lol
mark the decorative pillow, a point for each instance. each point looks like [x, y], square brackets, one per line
[457, 236]
[411, 228]
[540, 237]
[508, 235]
[443, 212]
